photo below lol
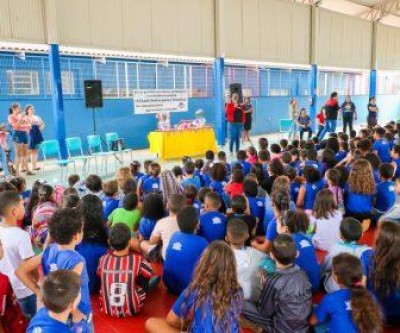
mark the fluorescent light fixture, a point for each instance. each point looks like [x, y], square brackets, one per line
[263, 64]
[344, 70]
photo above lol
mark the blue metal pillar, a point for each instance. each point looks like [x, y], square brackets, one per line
[219, 100]
[313, 93]
[57, 98]
[372, 83]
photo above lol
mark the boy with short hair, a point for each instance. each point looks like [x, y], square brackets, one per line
[263, 144]
[94, 185]
[285, 301]
[124, 275]
[165, 227]
[241, 160]
[189, 177]
[351, 233]
[247, 259]
[381, 145]
[65, 229]
[212, 222]
[239, 210]
[152, 183]
[385, 194]
[17, 248]
[183, 252]
[110, 200]
[61, 296]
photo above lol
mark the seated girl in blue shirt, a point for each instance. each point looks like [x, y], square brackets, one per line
[153, 210]
[352, 308]
[213, 300]
[309, 190]
[385, 194]
[152, 184]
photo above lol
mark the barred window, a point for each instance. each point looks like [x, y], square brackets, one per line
[22, 82]
[67, 82]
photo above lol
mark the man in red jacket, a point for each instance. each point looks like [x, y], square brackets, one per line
[331, 114]
[234, 113]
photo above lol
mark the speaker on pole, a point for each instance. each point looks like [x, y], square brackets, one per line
[236, 88]
[93, 93]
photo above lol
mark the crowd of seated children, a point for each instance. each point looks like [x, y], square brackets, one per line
[235, 239]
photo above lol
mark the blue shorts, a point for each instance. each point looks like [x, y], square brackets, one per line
[20, 137]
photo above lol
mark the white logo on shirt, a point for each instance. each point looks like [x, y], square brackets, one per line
[154, 186]
[177, 246]
[216, 220]
[314, 187]
[304, 243]
[296, 189]
[348, 305]
[260, 204]
[37, 330]
[391, 188]
[53, 267]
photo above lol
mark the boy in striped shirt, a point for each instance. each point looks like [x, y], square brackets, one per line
[124, 276]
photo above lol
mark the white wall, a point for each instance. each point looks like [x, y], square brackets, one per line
[267, 30]
[342, 40]
[387, 47]
[22, 20]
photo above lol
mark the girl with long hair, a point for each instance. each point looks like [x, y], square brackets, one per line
[153, 210]
[212, 302]
[35, 134]
[351, 308]
[325, 220]
[309, 190]
[381, 269]
[94, 243]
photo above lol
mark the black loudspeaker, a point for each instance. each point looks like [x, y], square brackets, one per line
[236, 88]
[93, 93]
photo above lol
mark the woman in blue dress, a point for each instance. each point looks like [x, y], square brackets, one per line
[35, 134]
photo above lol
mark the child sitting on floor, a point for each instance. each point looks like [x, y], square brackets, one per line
[153, 211]
[110, 200]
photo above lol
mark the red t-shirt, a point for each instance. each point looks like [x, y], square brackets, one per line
[321, 118]
[233, 189]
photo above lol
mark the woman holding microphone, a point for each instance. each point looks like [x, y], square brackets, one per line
[235, 116]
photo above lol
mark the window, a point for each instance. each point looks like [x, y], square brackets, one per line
[388, 83]
[22, 82]
[67, 82]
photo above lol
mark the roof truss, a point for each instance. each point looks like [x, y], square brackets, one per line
[380, 11]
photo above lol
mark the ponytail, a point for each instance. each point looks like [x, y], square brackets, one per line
[366, 314]
[281, 200]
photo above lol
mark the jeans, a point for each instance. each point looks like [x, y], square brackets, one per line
[235, 130]
[303, 130]
[28, 305]
[330, 127]
[320, 129]
[347, 121]
[3, 162]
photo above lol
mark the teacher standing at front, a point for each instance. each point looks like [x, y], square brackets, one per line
[234, 113]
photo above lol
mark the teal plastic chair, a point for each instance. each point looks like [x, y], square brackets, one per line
[110, 138]
[285, 125]
[75, 152]
[52, 156]
[96, 151]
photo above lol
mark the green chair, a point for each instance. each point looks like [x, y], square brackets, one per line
[52, 156]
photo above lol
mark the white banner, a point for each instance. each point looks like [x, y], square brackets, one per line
[153, 101]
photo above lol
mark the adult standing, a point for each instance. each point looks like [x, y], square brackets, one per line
[248, 118]
[349, 114]
[303, 121]
[331, 114]
[235, 116]
[35, 134]
[372, 119]
[21, 127]
[293, 115]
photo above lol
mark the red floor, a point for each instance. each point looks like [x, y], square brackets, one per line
[160, 301]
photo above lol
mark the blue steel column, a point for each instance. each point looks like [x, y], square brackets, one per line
[219, 100]
[57, 98]
[313, 92]
[372, 83]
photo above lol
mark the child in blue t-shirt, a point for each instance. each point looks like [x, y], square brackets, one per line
[212, 222]
[65, 230]
[343, 151]
[111, 198]
[385, 194]
[256, 204]
[153, 210]
[195, 306]
[396, 160]
[189, 177]
[309, 190]
[201, 172]
[352, 308]
[146, 175]
[152, 184]
[241, 159]
[295, 182]
[381, 145]
[61, 295]
[135, 171]
[218, 182]
[183, 252]
[190, 193]
[296, 225]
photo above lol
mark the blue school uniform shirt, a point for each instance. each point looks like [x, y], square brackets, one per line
[183, 253]
[397, 174]
[138, 176]
[53, 259]
[43, 323]
[109, 204]
[146, 227]
[358, 203]
[218, 187]
[245, 165]
[202, 321]
[311, 193]
[294, 190]
[212, 226]
[335, 310]
[92, 252]
[377, 176]
[195, 181]
[385, 196]
[271, 230]
[341, 155]
[390, 303]
[152, 184]
[382, 148]
[257, 207]
[307, 259]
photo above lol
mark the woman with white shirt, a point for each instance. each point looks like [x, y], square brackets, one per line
[35, 134]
